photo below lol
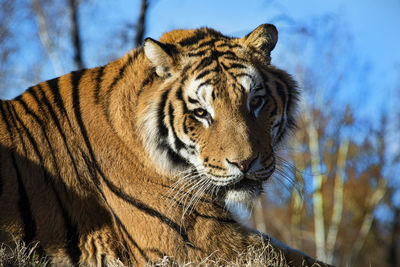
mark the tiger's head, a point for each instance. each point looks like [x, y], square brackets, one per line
[216, 109]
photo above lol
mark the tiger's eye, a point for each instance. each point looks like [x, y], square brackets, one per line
[199, 112]
[255, 101]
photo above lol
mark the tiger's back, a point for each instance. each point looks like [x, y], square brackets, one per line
[136, 160]
[47, 191]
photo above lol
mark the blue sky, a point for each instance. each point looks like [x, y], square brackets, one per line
[375, 24]
[373, 27]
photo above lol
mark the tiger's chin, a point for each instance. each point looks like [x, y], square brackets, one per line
[239, 198]
[244, 192]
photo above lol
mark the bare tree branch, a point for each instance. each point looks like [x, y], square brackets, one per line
[317, 184]
[141, 25]
[7, 10]
[45, 38]
[76, 40]
[338, 199]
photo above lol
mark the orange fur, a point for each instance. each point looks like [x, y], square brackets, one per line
[138, 159]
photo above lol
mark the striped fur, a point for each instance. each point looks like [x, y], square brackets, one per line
[129, 162]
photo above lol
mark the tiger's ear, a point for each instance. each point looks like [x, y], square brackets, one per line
[160, 56]
[263, 38]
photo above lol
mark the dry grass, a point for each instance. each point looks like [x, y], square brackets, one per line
[26, 256]
[253, 257]
[21, 255]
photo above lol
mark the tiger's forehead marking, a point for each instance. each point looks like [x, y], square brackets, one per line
[250, 79]
[202, 92]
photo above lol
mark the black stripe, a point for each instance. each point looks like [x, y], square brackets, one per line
[179, 94]
[225, 67]
[11, 112]
[237, 66]
[117, 78]
[192, 100]
[213, 95]
[198, 53]
[150, 211]
[4, 116]
[185, 130]
[204, 63]
[57, 98]
[121, 225]
[282, 94]
[198, 36]
[177, 142]
[99, 79]
[207, 43]
[202, 74]
[206, 82]
[226, 54]
[55, 89]
[198, 214]
[184, 74]
[162, 129]
[270, 96]
[215, 167]
[149, 79]
[75, 80]
[229, 45]
[234, 58]
[120, 74]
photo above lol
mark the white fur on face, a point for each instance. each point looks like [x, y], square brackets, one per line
[241, 198]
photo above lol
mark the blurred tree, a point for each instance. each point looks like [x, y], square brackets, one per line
[75, 33]
[48, 34]
[7, 46]
[336, 171]
[140, 26]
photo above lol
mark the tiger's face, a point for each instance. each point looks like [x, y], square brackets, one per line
[221, 110]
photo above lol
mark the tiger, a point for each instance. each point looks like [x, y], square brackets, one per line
[140, 159]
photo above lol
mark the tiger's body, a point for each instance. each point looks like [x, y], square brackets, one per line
[136, 160]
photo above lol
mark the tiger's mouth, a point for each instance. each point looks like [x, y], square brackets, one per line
[254, 178]
[251, 181]
[247, 185]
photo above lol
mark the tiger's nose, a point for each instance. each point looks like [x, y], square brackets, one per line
[243, 165]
